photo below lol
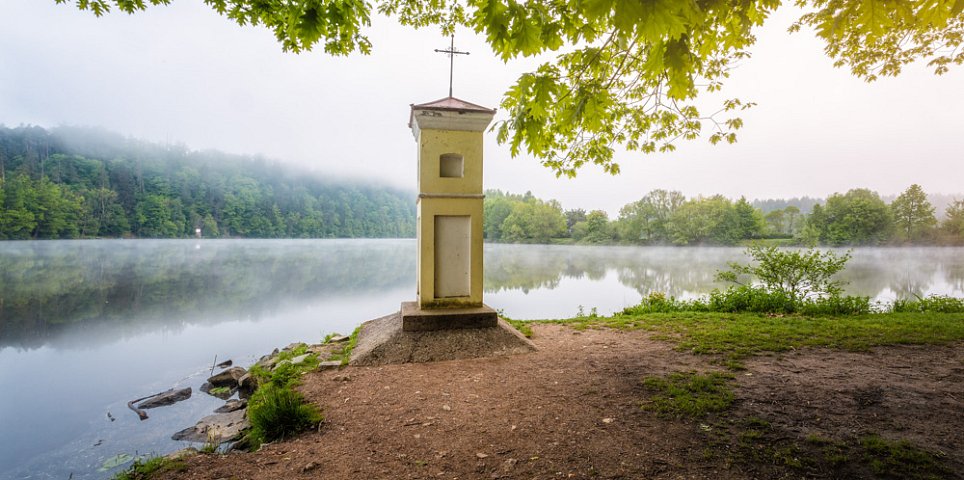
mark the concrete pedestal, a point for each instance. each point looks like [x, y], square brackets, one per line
[383, 341]
[415, 319]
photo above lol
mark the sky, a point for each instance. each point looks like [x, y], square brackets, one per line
[183, 74]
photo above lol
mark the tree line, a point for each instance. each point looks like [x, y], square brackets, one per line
[84, 183]
[662, 217]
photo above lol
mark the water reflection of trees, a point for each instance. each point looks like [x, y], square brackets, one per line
[46, 286]
[898, 272]
[156, 285]
[676, 271]
[955, 275]
[682, 272]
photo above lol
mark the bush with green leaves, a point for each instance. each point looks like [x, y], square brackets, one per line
[794, 273]
[933, 303]
[747, 298]
[658, 302]
[836, 305]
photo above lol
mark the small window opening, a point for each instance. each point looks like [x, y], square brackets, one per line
[451, 165]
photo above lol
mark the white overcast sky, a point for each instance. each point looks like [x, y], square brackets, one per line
[183, 74]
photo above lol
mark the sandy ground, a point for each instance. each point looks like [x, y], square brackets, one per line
[573, 410]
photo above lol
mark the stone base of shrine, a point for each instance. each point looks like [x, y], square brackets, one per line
[417, 319]
[384, 341]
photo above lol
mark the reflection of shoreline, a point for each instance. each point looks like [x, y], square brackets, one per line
[687, 272]
[95, 334]
[131, 286]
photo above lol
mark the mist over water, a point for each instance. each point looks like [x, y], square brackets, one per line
[86, 326]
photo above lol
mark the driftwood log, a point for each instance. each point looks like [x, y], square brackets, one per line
[164, 398]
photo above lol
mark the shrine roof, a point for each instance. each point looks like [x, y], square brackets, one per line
[452, 103]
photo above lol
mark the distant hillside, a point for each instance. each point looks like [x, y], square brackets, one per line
[82, 182]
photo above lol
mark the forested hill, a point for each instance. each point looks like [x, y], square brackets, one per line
[72, 182]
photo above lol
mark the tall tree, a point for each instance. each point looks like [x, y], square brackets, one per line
[647, 219]
[705, 220]
[751, 223]
[913, 214]
[952, 227]
[534, 221]
[497, 207]
[858, 217]
[17, 221]
[792, 213]
[574, 216]
[626, 73]
[776, 221]
[598, 229]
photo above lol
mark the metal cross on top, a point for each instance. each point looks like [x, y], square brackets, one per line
[452, 52]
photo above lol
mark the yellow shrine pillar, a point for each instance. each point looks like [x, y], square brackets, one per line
[449, 219]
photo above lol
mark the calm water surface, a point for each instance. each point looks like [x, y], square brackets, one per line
[86, 326]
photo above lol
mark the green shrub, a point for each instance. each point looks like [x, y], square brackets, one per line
[797, 274]
[933, 303]
[277, 412]
[745, 298]
[837, 305]
[753, 299]
[657, 302]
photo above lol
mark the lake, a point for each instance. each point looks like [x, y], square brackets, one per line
[86, 326]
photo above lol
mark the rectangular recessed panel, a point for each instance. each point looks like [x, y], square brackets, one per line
[453, 251]
[451, 165]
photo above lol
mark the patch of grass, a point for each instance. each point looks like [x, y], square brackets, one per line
[771, 449]
[212, 444]
[738, 335]
[757, 443]
[524, 327]
[218, 391]
[689, 394]
[344, 354]
[817, 440]
[278, 412]
[275, 410]
[286, 373]
[900, 459]
[298, 351]
[145, 469]
[593, 313]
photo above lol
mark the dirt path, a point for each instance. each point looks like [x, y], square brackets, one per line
[572, 410]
